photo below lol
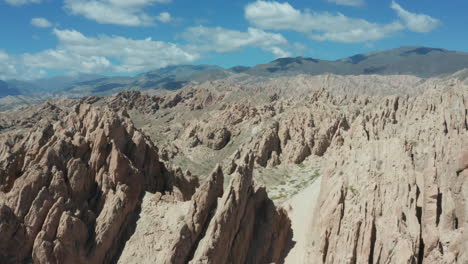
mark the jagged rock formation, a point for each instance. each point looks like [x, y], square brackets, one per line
[214, 136]
[71, 191]
[393, 152]
[308, 131]
[134, 99]
[240, 226]
[395, 191]
[390, 152]
[246, 227]
[28, 117]
[278, 131]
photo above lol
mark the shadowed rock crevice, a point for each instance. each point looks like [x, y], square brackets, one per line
[439, 207]
[325, 248]
[373, 239]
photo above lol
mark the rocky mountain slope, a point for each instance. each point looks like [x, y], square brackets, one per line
[71, 191]
[417, 61]
[390, 152]
[304, 169]
[394, 191]
[43, 85]
[422, 62]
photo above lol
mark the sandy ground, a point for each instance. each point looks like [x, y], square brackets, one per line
[157, 231]
[301, 208]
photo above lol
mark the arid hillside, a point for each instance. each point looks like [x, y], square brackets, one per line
[304, 169]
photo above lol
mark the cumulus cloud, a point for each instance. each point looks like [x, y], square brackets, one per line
[348, 2]
[95, 54]
[118, 12]
[164, 17]
[11, 67]
[415, 22]
[224, 40]
[22, 2]
[40, 22]
[79, 53]
[318, 25]
[363, 32]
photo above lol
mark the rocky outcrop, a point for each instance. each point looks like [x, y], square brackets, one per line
[395, 191]
[27, 117]
[135, 100]
[90, 188]
[246, 227]
[214, 136]
[70, 190]
[240, 226]
[299, 134]
[169, 229]
[193, 99]
[84, 185]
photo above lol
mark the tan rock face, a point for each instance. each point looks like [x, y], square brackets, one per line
[246, 227]
[168, 229]
[84, 184]
[213, 136]
[91, 189]
[394, 153]
[395, 191]
[240, 226]
[75, 186]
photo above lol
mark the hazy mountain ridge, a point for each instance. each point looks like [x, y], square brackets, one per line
[168, 78]
[7, 89]
[419, 61]
[422, 62]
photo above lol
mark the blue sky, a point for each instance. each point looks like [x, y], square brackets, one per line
[50, 37]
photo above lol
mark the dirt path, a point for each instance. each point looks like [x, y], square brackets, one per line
[301, 208]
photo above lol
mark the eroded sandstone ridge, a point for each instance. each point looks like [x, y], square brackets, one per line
[396, 190]
[79, 189]
[392, 152]
[360, 169]
[240, 226]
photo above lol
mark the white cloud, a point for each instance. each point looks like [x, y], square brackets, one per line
[274, 15]
[79, 53]
[348, 2]
[11, 67]
[415, 22]
[40, 22]
[119, 12]
[224, 40]
[320, 26]
[22, 2]
[299, 46]
[164, 17]
[362, 32]
[278, 52]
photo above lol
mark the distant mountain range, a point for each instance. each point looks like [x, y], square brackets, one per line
[168, 78]
[418, 61]
[7, 89]
[45, 85]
